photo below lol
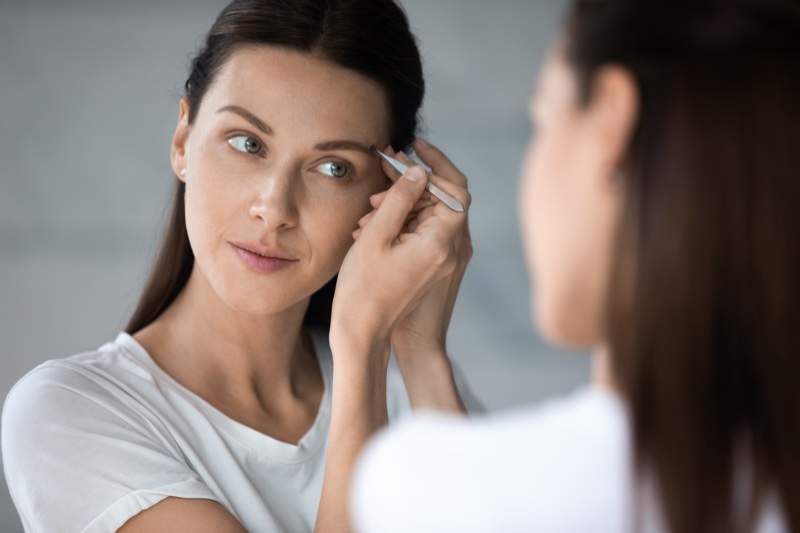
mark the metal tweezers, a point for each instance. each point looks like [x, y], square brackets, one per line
[446, 199]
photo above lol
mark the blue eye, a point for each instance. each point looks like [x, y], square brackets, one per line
[245, 144]
[334, 169]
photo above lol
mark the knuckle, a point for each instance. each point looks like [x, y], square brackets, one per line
[468, 251]
[439, 256]
[467, 199]
[446, 259]
[449, 265]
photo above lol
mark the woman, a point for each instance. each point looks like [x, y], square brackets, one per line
[218, 409]
[658, 206]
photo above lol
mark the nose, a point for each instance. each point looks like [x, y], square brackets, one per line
[275, 203]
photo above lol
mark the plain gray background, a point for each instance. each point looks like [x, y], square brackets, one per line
[88, 102]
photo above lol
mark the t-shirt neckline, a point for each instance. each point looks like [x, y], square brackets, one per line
[263, 445]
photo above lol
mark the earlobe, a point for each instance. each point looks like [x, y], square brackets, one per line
[615, 112]
[179, 140]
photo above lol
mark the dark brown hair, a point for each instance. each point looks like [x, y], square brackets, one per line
[371, 37]
[705, 300]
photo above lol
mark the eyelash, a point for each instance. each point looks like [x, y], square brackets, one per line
[260, 153]
[349, 177]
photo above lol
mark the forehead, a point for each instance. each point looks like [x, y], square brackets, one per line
[289, 88]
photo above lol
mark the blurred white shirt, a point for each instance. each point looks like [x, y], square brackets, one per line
[560, 467]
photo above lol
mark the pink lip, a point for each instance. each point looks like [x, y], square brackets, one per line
[262, 259]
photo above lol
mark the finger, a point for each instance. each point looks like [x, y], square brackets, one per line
[389, 218]
[363, 221]
[420, 207]
[442, 182]
[403, 158]
[440, 164]
[442, 224]
[459, 193]
[377, 199]
[415, 217]
[423, 215]
[389, 170]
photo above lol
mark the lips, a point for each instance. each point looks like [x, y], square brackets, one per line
[263, 259]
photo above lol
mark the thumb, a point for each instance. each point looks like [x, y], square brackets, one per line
[391, 215]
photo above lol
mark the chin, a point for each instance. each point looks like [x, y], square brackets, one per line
[260, 301]
[248, 307]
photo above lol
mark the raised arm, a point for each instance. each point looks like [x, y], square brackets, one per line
[419, 339]
[404, 249]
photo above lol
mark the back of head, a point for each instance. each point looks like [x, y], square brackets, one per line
[369, 37]
[706, 293]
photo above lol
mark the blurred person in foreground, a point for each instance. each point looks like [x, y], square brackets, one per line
[658, 206]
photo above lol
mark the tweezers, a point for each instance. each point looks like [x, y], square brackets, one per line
[446, 199]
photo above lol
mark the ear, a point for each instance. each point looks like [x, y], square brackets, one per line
[179, 140]
[614, 113]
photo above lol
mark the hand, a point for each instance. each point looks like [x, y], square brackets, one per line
[422, 333]
[419, 337]
[410, 244]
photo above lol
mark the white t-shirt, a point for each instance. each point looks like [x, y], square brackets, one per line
[561, 467]
[92, 440]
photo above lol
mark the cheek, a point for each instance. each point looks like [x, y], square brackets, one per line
[540, 212]
[210, 207]
[332, 234]
[331, 220]
[200, 213]
[563, 240]
[203, 183]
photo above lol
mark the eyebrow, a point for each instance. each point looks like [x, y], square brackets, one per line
[261, 125]
[343, 145]
[248, 116]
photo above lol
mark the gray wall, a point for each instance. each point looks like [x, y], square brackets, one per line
[88, 94]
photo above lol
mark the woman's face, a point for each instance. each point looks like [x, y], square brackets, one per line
[278, 173]
[569, 208]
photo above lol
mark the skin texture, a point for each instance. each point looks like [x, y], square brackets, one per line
[235, 336]
[570, 199]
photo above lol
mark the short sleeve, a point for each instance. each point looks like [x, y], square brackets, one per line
[81, 456]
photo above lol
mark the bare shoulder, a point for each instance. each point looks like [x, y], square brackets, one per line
[177, 515]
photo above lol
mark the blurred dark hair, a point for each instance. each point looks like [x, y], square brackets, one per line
[370, 37]
[705, 299]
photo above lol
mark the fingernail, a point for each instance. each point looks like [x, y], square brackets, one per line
[414, 174]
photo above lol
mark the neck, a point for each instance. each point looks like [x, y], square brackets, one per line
[219, 352]
[602, 375]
